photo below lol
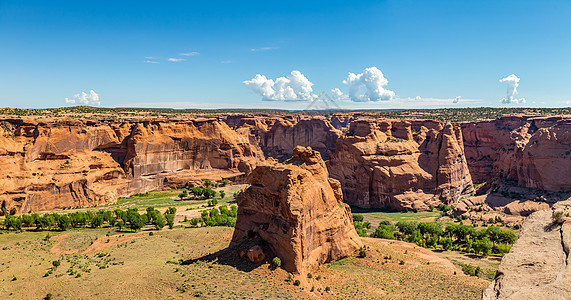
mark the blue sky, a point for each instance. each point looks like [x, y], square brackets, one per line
[429, 51]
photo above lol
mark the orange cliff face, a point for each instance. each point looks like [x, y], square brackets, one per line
[277, 137]
[401, 164]
[534, 151]
[69, 163]
[298, 211]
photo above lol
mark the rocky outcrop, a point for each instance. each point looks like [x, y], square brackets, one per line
[401, 164]
[534, 151]
[298, 211]
[537, 266]
[277, 137]
[70, 163]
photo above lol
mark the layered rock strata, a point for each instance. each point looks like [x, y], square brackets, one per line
[401, 164]
[298, 211]
[277, 137]
[534, 151]
[70, 163]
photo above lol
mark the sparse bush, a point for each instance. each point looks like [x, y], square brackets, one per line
[277, 262]
[557, 217]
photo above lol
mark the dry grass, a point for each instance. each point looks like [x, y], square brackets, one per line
[188, 262]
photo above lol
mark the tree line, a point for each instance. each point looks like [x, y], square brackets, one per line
[122, 219]
[456, 237]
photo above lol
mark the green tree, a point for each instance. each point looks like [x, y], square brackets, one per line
[170, 220]
[384, 231]
[63, 223]
[483, 246]
[222, 194]
[183, 195]
[407, 227]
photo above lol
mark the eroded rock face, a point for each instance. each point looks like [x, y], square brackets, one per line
[298, 211]
[277, 137]
[534, 151]
[69, 163]
[383, 164]
[537, 266]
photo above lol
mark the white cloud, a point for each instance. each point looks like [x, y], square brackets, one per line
[150, 57]
[225, 61]
[151, 62]
[373, 80]
[190, 53]
[263, 49]
[176, 59]
[418, 98]
[513, 82]
[457, 99]
[337, 94]
[293, 87]
[84, 98]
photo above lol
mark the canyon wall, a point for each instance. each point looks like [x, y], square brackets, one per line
[534, 151]
[71, 163]
[277, 137]
[63, 163]
[401, 164]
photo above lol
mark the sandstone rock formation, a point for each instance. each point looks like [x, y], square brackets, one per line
[298, 211]
[69, 163]
[534, 151]
[401, 164]
[277, 137]
[537, 266]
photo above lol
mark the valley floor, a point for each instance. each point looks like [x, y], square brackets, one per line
[185, 262]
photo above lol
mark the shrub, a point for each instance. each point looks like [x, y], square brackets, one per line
[56, 263]
[557, 218]
[357, 218]
[296, 282]
[362, 252]
[222, 194]
[277, 262]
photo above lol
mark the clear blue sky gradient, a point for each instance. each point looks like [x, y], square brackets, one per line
[50, 50]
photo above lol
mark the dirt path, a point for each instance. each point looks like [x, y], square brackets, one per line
[98, 245]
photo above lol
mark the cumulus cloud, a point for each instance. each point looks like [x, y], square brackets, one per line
[337, 94]
[84, 98]
[293, 87]
[176, 59]
[373, 80]
[513, 82]
[457, 99]
[190, 53]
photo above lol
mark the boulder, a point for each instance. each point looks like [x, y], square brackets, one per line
[256, 254]
[298, 211]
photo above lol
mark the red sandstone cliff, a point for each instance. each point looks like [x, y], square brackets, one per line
[299, 211]
[277, 137]
[534, 151]
[401, 164]
[69, 163]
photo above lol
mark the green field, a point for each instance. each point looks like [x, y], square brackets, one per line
[376, 215]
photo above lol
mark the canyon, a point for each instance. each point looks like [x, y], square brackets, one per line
[57, 163]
